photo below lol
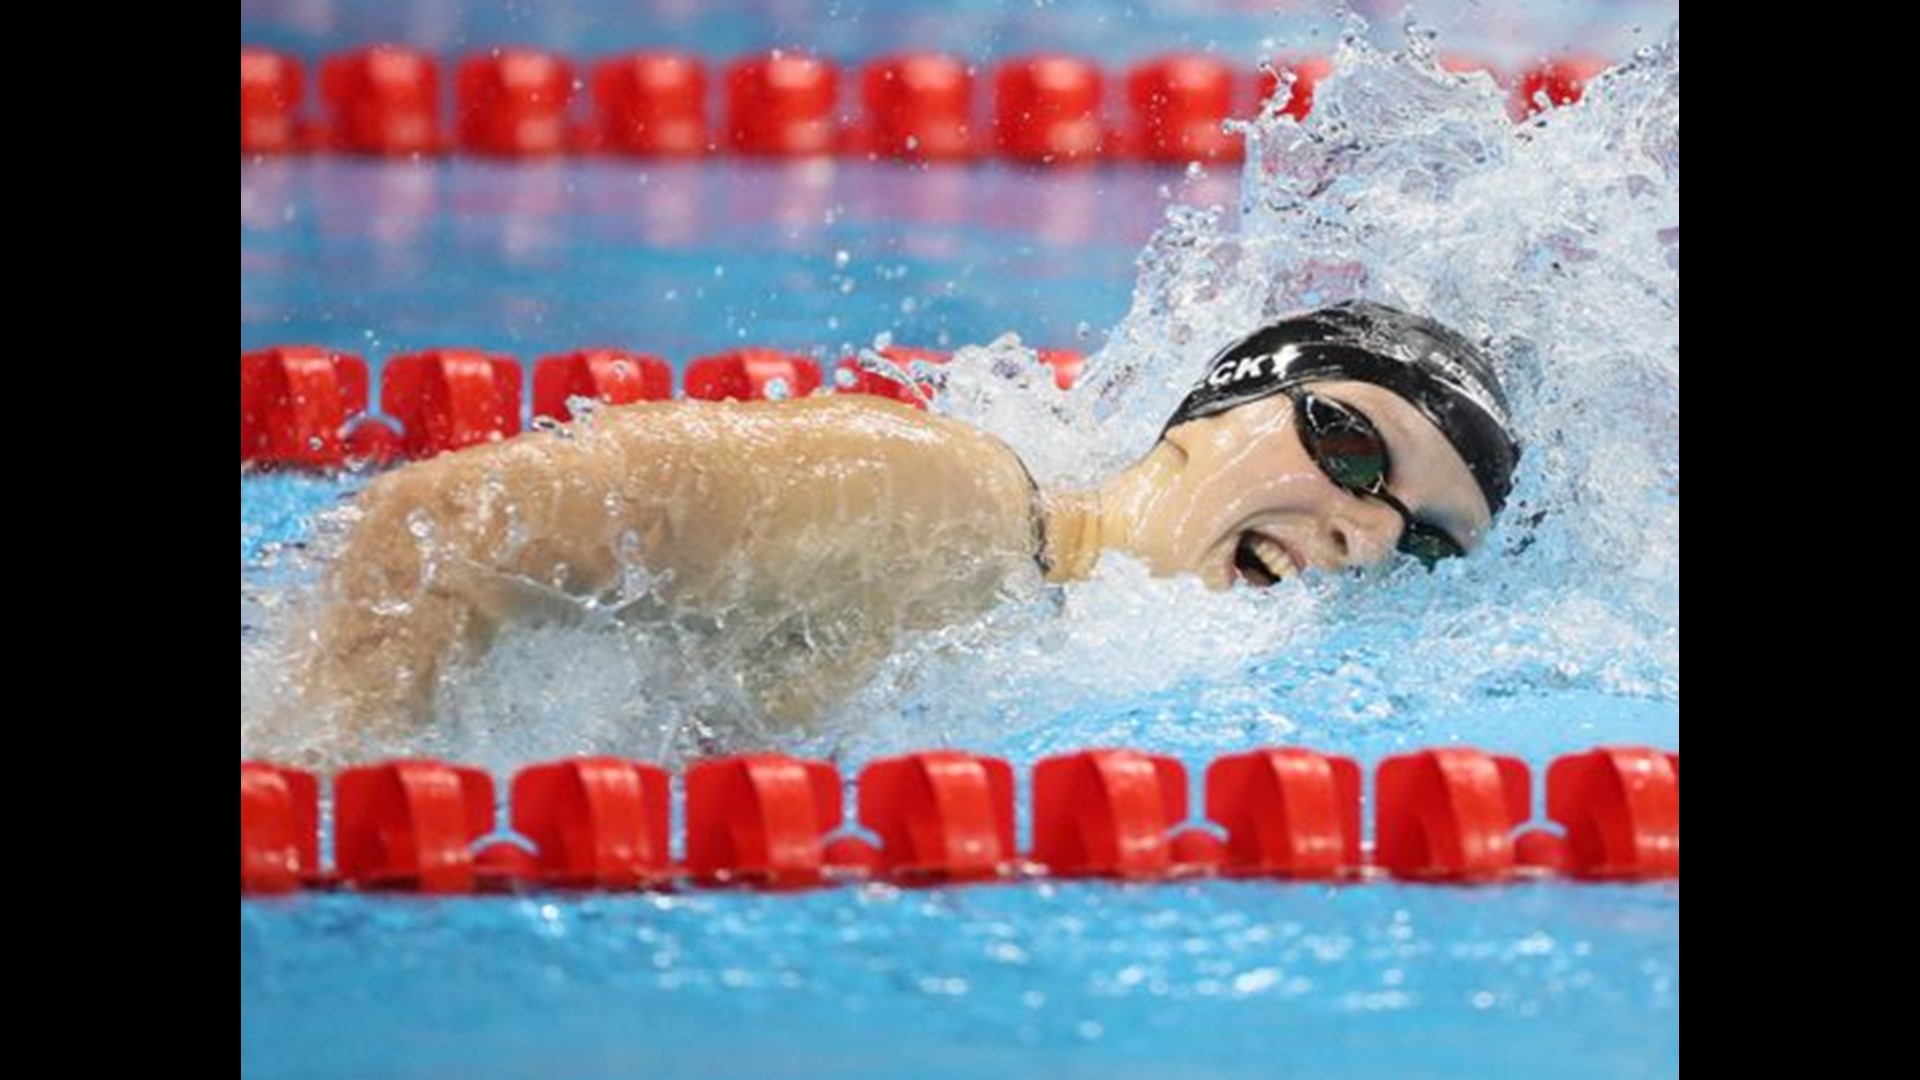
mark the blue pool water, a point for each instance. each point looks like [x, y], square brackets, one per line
[683, 259]
[1085, 980]
[1212, 979]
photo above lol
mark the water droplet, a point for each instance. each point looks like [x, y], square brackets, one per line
[420, 525]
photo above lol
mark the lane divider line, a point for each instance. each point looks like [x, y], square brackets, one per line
[771, 821]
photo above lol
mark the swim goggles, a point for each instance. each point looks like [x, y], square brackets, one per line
[1352, 452]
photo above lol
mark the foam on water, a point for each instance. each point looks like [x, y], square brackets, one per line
[1555, 241]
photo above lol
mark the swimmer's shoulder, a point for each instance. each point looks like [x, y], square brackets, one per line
[849, 426]
[891, 422]
[851, 421]
[943, 452]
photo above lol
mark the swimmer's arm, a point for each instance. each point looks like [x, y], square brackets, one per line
[435, 556]
[377, 645]
[858, 515]
[828, 527]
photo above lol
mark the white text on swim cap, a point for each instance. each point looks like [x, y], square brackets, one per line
[1229, 372]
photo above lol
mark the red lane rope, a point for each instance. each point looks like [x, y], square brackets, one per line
[1046, 109]
[306, 406]
[773, 821]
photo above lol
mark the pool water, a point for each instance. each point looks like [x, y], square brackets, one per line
[1210, 979]
[686, 259]
[1081, 980]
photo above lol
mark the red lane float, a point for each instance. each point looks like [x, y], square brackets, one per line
[940, 816]
[1108, 813]
[1197, 851]
[448, 399]
[1047, 110]
[919, 107]
[1302, 74]
[1287, 813]
[382, 100]
[1540, 850]
[295, 404]
[783, 105]
[373, 442]
[595, 822]
[1449, 814]
[852, 377]
[271, 86]
[513, 103]
[1551, 83]
[410, 825]
[916, 106]
[610, 376]
[279, 828]
[751, 375]
[1179, 106]
[651, 104]
[304, 406]
[503, 866]
[760, 819]
[1621, 811]
[1066, 365]
[768, 820]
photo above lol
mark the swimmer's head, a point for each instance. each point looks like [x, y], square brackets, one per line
[1329, 440]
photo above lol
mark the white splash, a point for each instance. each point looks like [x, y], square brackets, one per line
[1556, 243]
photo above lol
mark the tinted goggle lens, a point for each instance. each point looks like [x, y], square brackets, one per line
[1352, 452]
[1346, 445]
[1428, 544]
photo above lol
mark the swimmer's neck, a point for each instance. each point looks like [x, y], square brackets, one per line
[1073, 529]
[1080, 525]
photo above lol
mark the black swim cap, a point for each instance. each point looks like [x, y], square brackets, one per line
[1449, 380]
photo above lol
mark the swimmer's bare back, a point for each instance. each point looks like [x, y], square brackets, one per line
[800, 537]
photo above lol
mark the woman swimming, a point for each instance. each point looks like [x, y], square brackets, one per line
[803, 538]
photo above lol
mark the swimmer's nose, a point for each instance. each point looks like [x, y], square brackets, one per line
[1362, 531]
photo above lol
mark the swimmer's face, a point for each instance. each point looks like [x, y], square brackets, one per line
[1240, 499]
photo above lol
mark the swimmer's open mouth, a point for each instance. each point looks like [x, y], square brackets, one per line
[1262, 560]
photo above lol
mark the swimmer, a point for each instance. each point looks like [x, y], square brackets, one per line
[800, 539]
